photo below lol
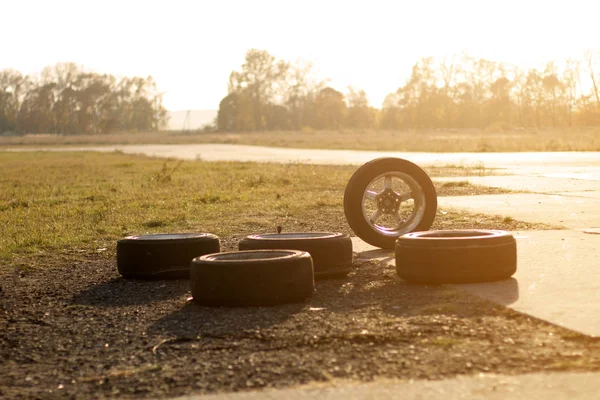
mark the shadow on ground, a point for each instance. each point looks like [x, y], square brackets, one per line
[374, 284]
[127, 292]
[194, 320]
[371, 288]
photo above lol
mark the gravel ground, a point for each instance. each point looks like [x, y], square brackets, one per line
[77, 330]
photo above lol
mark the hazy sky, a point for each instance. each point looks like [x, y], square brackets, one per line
[190, 47]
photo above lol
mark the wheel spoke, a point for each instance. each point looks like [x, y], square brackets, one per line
[375, 216]
[399, 219]
[387, 182]
[371, 194]
[405, 196]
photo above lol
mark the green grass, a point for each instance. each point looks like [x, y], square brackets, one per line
[89, 200]
[84, 202]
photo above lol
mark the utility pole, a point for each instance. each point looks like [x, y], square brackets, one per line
[186, 121]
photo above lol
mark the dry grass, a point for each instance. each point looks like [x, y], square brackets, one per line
[573, 139]
[86, 201]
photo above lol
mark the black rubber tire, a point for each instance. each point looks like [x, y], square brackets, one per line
[331, 252]
[456, 256]
[252, 278]
[163, 256]
[357, 185]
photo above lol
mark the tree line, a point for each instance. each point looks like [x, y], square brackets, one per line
[463, 92]
[66, 99]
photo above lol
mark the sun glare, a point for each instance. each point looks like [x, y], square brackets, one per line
[190, 47]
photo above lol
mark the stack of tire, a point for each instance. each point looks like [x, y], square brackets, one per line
[268, 269]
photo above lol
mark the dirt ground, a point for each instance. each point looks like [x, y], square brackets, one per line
[78, 330]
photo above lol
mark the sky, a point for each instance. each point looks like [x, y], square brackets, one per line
[191, 47]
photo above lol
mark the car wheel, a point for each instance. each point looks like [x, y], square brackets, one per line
[388, 197]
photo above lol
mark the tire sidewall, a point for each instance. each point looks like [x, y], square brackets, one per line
[252, 282]
[165, 258]
[332, 254]
[464, 259]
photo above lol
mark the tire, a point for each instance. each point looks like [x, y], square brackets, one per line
[162, 256]
[331, 252]
[461, 256]
[389, 197]
[252, 278]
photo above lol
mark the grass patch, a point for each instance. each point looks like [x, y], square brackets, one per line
[86, 201]
[155, 223]
[459, 184]
[443, 342]
[465, 188]
[577, 362]
[434, 140]
[453, 218]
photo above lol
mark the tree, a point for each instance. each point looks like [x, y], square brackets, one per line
[331, 109]
[360, 114]
[235, 113]
[391, 114]
[262, 80]
[13, 87]
[554, 96]
[499, 106]
[66, 99]
[590, 60]
[301, 88]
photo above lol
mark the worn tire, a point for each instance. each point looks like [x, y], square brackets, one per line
[331, 252]
[371, 179]
[252, 278]
[162, 256]
[456, 256]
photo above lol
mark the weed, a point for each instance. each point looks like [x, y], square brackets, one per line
[165, 174]
[211, 198]
[455, 184]
[154, 223]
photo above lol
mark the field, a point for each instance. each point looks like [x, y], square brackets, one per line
[71, 327]
[573, 139]
[88, 200]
